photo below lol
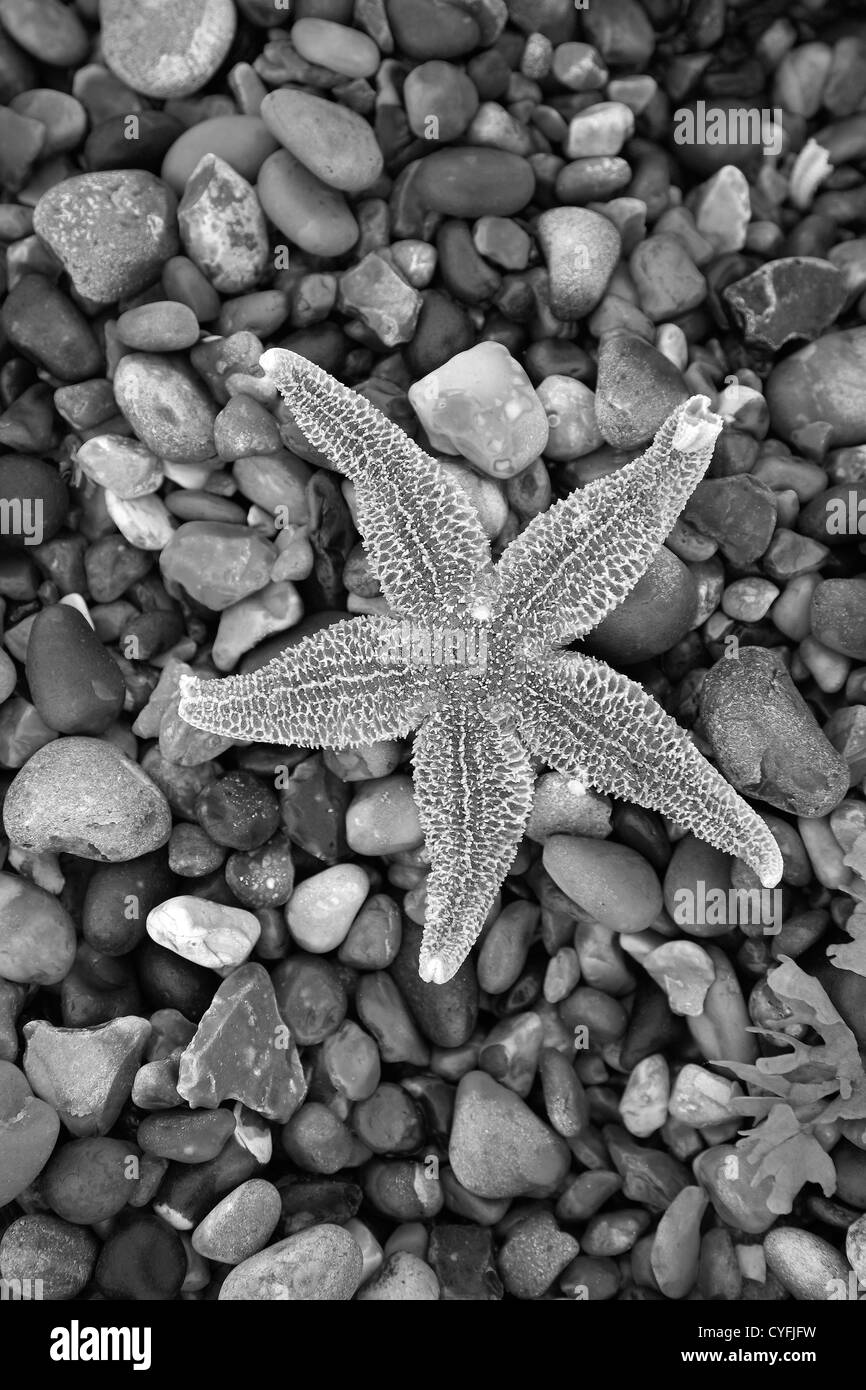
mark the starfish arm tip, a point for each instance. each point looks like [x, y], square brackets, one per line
[272, 360]
[284, 367]
[772, 865]
[187, 689]
[435, 969]
[697, 427]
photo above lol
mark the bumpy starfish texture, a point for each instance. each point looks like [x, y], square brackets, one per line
[469, 656]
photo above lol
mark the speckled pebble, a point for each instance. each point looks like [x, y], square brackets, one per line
[323, 1263]
[222, 226]
[240, 1224]
[581, 249]
[84, 796]
[136, 216]
[164, 52]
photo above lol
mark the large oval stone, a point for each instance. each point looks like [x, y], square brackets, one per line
[166, 50]
[499, 1147]
[75, 683]
[244, 142]
[611, 882]
[312, 215]
[43, 323]
[333, 141]
[475, 182]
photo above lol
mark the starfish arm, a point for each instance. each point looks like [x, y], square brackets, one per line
[423, 535]
[336, 688]
[589, 721]
[578, 560]
[473, 788]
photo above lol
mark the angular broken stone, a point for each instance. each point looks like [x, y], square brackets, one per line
[499, 1147]
[765, 738]
[180, 743]
[242, 1050]
[792, 298]
[85, 1073]
[701, 1097]
[381, 298]
[222, 226]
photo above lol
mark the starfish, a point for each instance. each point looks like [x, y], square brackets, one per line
[472, 655]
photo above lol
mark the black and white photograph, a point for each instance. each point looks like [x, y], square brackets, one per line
[432, 656]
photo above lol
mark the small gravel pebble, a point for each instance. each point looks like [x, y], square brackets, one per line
[461, 407]
[581, 249]
[613, 883]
